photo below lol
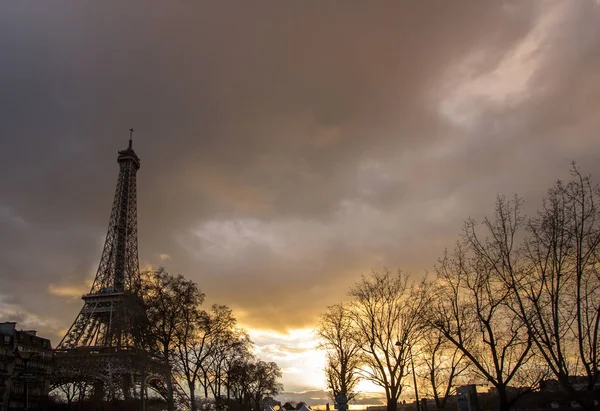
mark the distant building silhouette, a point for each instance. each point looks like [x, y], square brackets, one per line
[25, 366]
[579, 382]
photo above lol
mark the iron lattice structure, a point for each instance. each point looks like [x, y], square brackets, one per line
[100, 345]
[102, 320]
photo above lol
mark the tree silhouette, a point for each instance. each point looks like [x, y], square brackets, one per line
[338, 337]
[171, 304]
[384, 310]
[558, 295]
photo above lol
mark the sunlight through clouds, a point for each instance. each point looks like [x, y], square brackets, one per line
[74, 291]
[510, 81]
[296, 353]
[73, 286]
[282, 159]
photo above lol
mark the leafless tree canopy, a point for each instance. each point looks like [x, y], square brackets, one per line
[250, 381]
[558, 293]
[170, 302]
[515, 302]
[472, 310]
[204, 350]
[338, 335]
[441, 366]
[384, 308]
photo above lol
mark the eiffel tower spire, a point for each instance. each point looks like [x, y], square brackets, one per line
[119, 264]
[101, 321]
[100, 345]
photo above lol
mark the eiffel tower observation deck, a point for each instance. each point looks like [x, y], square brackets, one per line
[101, 347]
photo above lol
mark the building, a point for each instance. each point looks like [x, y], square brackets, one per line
[25, 365]
[578, 382]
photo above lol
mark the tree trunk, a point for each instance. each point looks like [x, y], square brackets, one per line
[440, 403]
[193, 405]
[503, 398]
[170, 402]
[257, 401]
[228, 390]
[392, 404]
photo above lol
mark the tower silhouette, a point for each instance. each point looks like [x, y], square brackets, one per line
[101, 346]
[101, 321]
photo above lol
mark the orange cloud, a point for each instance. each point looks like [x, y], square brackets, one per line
[73, 291]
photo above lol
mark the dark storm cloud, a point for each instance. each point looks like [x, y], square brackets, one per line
[285, 146]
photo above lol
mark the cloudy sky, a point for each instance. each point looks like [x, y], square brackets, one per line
[286, 147]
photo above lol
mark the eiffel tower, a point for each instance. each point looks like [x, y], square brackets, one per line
[100, 346]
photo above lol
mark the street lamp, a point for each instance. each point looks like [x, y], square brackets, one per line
[412, 363]
[25, 356]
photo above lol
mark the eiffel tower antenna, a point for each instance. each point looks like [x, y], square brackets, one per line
[101, 339]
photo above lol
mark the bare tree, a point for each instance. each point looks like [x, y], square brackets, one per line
[170, 301]
[474, 306]
[250, 381]
[198, 344]
[384, 307]
[229, 353]
[338, 337]
[441, 364]
[189, 348]
[558, 298]
[264, 381]
[72, 392]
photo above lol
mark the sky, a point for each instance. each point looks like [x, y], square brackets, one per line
[286, 147]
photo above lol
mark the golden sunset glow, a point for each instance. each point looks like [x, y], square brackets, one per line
[285, 148]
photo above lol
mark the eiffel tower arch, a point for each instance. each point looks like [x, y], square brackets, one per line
[102, 346]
